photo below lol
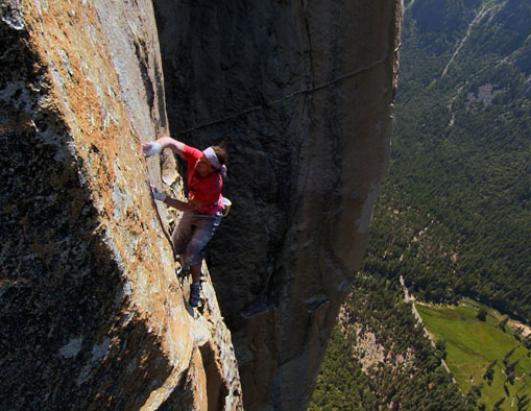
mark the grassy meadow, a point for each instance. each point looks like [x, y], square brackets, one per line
[472, 345]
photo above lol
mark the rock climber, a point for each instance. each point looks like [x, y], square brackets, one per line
[203, 211]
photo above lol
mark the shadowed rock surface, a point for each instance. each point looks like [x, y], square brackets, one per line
[301, 92]
[92, 316]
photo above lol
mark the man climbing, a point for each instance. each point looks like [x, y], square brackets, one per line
[202, 213]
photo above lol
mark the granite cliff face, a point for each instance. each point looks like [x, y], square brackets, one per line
[302, 93]
[92, 315]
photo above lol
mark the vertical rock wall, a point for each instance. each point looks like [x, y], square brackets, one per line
[92, 316]
[302, 93]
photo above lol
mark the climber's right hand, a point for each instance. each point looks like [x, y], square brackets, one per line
[151, 148]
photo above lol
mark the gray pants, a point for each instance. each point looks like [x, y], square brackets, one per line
[191, 235]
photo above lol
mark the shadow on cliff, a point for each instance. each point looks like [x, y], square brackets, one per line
[301, 92]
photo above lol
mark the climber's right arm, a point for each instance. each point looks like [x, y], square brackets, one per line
[155, 147]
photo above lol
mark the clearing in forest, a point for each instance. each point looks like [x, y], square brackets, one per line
[472, 345]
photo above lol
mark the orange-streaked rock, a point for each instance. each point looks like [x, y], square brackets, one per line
[93, 316]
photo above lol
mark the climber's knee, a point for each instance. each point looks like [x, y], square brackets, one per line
[194, 252]
[204, 230]
[182, 233]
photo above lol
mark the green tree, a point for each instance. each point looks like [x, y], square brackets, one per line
[474, 394]
[498, 404]
[522, 402]
[503, 323]
[440, 346]
[482, 314]
[489, 372]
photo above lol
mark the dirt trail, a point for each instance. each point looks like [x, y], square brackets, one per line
[479, 16]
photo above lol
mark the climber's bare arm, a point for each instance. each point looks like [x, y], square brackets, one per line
[174, 145]
[191, 205]
[182, 205]
[155, 147]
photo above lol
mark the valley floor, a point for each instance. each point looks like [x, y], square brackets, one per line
[472, 345]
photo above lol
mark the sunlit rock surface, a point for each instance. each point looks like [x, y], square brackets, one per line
[92, 315]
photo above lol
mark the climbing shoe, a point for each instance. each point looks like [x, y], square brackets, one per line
[195, 290]
[182, 271]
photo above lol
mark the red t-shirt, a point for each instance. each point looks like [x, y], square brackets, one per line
[205, 189]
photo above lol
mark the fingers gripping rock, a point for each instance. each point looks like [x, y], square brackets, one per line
[151, 148]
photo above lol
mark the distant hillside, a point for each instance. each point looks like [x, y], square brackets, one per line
[378, 358]
[454, 217]
[454, 214]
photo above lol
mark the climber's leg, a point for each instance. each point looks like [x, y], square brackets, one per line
[196, 272]
[195, 294]
[182, 233]
[205, 226]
